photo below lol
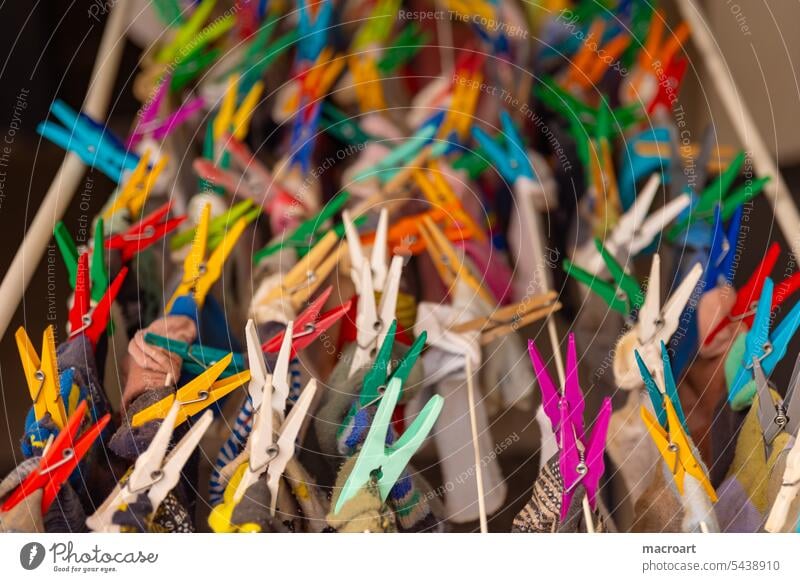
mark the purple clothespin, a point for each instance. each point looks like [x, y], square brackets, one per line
[580, 460]
[161, 128]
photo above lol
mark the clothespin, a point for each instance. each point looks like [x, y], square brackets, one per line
[201, 272]
[402, 49]
[309, 232]
[144, 233]
[378, 261]
[59, 460]
[90, 140]
[511, 318]
[313, 34]
[464, 98]
[133, 195]
[581, 455]
[767, 348]
[155, 472]
[450, 268]
[510, 158]
[219, 226]
[41, 375]
[85, 318]
[623, 295]
[196, 357]
[235, 119]
[148, 122]
[259, 55]
[721, 267]
[380, 464]
[586, 69]
[194, 396]
[667, 388]
[341, 126]
[367, 81]
[311, 323]
[719, 194]
[69, 252]
[302, 281]
[777, 417]
[268, 454]
[790, 485]
[194, 35]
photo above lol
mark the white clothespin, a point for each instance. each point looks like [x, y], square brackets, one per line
[153, 473]
[379, 258]
[655, 324]
[790, 486]
[266, 453]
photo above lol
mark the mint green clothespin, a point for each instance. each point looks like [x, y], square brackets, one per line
[376, 379]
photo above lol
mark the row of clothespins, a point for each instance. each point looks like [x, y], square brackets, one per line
[389, 288]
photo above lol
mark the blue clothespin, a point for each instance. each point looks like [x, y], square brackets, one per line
[510, 159]
[720, 267]
[670, 388]
[304, 135]
[313, 34]
[768, 348]
[638, 166]
[91, 141]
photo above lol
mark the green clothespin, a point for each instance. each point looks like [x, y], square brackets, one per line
[168, 11]
[380, 464]
[194, 34]
[308, 233]
[259, 55]
[377, 25]
[641, 14]
[69, 252]
[401, 155]
[218, 226]
[341, 126]
[402, 49]
[476, 161]
[197, 358]
[624, 295]
[191, 67]
[376, 379]
[717, 194]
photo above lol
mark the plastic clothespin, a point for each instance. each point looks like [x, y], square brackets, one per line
[510, 158]
[402, 49]
[668, 388]
[380, 464]
[145, 233]
[719, 194]
[196, 357]
[194, 396]
[511, 318]
[767, 348]
[778, 417]
[85, 318]
[313, 33]
[464, 98]
[232, 119]
[581, 459]
[201, 272]
[624, 295]
[367, 81]
[69, 252]
[721, 266]
[310, 272]
[41, 375]
[377, 25]
[341, 126]
[149, 123]
[193, 36]
[155, 472]
[309, 232]
[59, 460]
[91, 141]
[378, 261]
[310, 324]
[450, 267]
[134, 193]
[219, 226]
[586, 70]
[259, 55]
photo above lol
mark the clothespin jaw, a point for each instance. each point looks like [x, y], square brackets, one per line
[133, 195]
[510, 159]
[378, 259]
[59, 460]
[196, 357]
[776, 417]
[41, 375]
[382, 465]
[196, 395]
[69, 252]
[721, 267]
[586, 70]
[311, 324]
[145, 233]
[232, 119]
[657, 392]
[84, 318]
[313, 32]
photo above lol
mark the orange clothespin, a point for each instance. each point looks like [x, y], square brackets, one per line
[587, 69]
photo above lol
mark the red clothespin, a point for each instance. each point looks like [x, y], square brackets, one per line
[309, 324]
[145, 233]
[59, 460]
[669, 86]
[85, 318]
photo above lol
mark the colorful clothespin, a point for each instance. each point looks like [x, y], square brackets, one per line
[194, 396]
[464, 98]
[313, 33]
[310, 324]
[149, 124]
[667, 388]
[201, 272]
[91, 141]
[367, 81]
[623, 295]
[259, 55]
[778, 417]
[509, 158]
[69, 252]
[586, 69]
[219, 226]
[379, 464]
[378, 261]
[581, 455]
[402, 49]
[721, 266]
[768, 348]
[145, 233]
[511, 318]
[233, 116]
[59, 460]
[343, 127]
[41, 375]
[196, 357]
[155, 472]
[133, 195]
[85, 318]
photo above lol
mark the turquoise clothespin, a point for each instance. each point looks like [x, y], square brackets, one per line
[768, 348]
[670, 388]
[91, 141]
[313, 34]
[197, 358]
[637, 166]
[98, 273]
[510, 157]
[341, 126]
[380, 464]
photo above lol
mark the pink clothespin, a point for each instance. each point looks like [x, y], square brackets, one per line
[149, 124]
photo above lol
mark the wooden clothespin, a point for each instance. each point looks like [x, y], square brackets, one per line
[511, 318]
[41, 375]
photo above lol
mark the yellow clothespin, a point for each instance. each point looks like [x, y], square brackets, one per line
[302, 281]
[41, 375]
[607, 206]
[676, 448]
[231, 119]
[317, 80]
[195, 396]
[367, 82]
[463, 101]
[511, 318]
[134, 193]
[200, 273]
[447, 263]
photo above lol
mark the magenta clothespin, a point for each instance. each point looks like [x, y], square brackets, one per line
[580, 460]
[161, 128]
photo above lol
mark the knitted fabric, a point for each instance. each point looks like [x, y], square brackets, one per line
[27, 515]
[130, 441]
[66, 514]
[234, 445]
[364, 512]
[658, 509]
[735, 511]
[170, 517]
